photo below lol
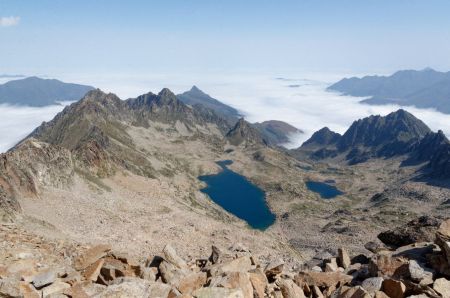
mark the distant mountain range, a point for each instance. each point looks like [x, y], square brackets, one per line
[6, 76]
[423, 89]
[398, 134]
[196, 96]
[37, 92]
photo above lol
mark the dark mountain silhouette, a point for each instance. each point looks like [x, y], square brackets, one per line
[322, 137]
[424, 89]
[196, 96]
[37, 92]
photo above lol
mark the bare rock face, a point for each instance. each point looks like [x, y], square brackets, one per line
[91, 256]
[235, 280]
[442, 286]
[322, 279]
[27, 168]
[9, 206]
[243, 133]
[289, 289]
[394, 288]
[443, 238]
[354, 292]
[386, 265]
[422, 229]
[344, 258]
[373, 284]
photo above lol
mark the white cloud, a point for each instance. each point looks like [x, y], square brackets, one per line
[9, 21]
[17, 122]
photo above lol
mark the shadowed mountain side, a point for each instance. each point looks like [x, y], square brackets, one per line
[398, 134]
[196, 96]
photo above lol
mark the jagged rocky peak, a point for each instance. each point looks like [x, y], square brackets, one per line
[322, 137]
[397, 127]
[371, 137]
[245, 133]
[99, 96]
[166, 96]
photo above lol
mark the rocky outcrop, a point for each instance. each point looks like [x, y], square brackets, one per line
[31, 166]
[245, 134]
[416, 270]
[422, 229]
[321, 138]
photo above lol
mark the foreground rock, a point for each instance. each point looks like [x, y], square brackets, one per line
[414, 270]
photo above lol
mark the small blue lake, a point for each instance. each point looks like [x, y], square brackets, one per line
[325, 190]
[237, 195]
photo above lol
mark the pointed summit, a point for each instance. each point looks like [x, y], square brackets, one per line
[322, 137]
[165, 92]
[165, 96]
[196, 90]
[195, 96]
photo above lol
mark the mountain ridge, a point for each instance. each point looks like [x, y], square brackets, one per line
[398, 134]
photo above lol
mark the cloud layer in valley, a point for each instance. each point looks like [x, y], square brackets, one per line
[17, 122]
[300, 100]
[9, 21]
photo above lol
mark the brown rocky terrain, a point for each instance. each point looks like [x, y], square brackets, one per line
[36, 267]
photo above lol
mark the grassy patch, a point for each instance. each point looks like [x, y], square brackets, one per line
[92, 179]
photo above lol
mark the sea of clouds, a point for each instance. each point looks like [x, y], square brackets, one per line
[301, 100]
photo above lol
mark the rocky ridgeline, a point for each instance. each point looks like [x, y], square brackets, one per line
[419, 269]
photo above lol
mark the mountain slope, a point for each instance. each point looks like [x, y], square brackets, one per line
[196, 96]
[425, 89]
[37, 92]
[97, 128]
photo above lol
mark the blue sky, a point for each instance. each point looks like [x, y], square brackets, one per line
[63, 36]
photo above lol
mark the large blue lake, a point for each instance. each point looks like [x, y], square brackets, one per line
[325, 190]
[237, 195]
